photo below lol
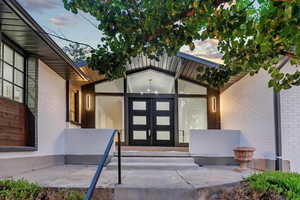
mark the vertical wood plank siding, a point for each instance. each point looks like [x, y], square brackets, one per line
[13, 129]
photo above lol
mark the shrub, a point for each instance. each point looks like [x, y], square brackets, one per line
[18, 189]
[23, 190]
[284, 184]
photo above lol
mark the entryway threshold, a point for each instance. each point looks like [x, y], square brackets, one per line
[154, 151]
[154, 154]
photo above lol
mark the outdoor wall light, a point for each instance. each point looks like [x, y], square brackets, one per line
[214, 104]
[88, 102]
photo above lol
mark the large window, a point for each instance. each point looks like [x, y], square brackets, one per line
[109, 113]
[12, 73]
[192, 115]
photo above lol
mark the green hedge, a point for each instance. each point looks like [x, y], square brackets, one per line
[23, 190]
[19, 189]
[284, 184]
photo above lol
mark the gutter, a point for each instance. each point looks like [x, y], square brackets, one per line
[22, 13]
[277, 123]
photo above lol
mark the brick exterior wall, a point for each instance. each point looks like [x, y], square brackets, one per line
[290, 123]
[12, 123]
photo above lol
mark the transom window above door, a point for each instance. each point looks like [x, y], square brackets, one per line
[150, 81]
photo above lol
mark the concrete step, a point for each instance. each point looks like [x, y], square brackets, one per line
[153, 163]
[153, 160]
[153, 166]
[153, 154]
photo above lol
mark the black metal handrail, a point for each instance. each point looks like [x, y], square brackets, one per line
[101, 164]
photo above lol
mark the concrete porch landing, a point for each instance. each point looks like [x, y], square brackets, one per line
[138, 184]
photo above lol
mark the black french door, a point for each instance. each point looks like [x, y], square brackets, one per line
[151, 121]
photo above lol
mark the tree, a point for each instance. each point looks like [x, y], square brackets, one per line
[254, 35]
[76, 52]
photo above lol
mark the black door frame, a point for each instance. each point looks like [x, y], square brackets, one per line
[151, 100]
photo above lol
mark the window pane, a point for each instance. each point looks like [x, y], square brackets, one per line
[19, 61]
[8, 54]
[139, 120]
[19, 78]
[192, 115]
[186, 87]
[116, 86]
[7, 90]
[18, 95]
[109, 112]
[7, 72]
[162, 106]
[0, 87]
[139, 135]
[150, 81]
[139, 105]
[1, 69]
[163, 120]
[163, 135]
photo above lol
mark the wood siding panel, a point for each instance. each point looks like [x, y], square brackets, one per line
[13, 131]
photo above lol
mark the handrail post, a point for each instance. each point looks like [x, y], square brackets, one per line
[101, 164]
[119, 158]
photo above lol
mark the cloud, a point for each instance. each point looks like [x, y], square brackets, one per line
[41, 5]
[63, 20]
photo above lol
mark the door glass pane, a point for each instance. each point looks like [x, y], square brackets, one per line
[139, 135]
[8, 54]
[139, 120]
[7, 72]
[7, 90]
[19, 61]
[165, 120]
[162, 106]
[18, 96]
[0, 87]
[163, 135]
[139, 105]
[19, 78]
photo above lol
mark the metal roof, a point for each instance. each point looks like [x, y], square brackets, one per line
[21, 28]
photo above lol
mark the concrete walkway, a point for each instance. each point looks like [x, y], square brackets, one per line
[139, 184]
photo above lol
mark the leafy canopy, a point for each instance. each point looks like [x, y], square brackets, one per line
[253, 35]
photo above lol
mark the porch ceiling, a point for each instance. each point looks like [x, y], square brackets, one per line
[20, 27]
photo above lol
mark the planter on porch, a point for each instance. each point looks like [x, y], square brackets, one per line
[243, 155]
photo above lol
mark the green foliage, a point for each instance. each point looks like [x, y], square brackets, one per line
[71, 195]
[76, 52]
[253, 35]
[284, 184]
[23, 190]
[20, 189]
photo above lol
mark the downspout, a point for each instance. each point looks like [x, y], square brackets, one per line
[277, 122]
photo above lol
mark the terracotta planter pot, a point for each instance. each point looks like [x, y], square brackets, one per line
[243, 155]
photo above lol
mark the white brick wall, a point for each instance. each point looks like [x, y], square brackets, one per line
[248, 106]
[290, 122]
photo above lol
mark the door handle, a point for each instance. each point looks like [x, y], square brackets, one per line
[149, 132]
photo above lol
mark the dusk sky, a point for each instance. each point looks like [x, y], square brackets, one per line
[54, 18]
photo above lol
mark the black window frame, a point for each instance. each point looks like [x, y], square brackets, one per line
[15, 49]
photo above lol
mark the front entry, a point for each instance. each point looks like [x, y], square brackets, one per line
[151, 121]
